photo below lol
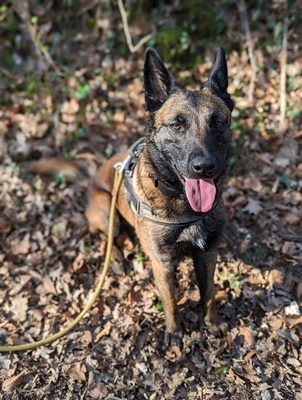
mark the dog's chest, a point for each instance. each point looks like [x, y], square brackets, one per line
[193, 235]
[182, 239]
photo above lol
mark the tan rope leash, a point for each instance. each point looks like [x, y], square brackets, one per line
[119, 173]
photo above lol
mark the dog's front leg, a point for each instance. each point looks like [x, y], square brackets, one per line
[164, 280]
[204, 264]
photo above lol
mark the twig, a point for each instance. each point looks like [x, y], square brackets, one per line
[88, 7]
[250, 48]
[290, 237]
[132, 48]
[283, 62]
[21, 8]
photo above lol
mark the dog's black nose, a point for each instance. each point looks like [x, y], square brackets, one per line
[203, 165]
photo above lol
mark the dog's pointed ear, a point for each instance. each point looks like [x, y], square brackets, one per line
[159, 83]
[219, 73]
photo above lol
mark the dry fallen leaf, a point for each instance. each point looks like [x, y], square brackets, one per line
[19, 307]
[248, 336]
[98, 390]
[11, 383]
[299, 293]
[253, 207]
[77, 370]
[21, 247]
[275, 278]
[87, 105]
[173, 353]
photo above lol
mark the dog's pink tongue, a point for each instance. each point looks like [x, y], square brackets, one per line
[200, 193]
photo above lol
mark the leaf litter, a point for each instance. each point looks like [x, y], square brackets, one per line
[50, 262]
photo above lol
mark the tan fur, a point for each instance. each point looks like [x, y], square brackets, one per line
[55, 165]
[188, 138]
[97, 213]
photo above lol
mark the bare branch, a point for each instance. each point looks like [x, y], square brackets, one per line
[283, 61]
[132, 48]
[250, 48]
[21, 8]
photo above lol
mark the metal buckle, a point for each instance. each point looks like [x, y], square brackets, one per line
[121, 166]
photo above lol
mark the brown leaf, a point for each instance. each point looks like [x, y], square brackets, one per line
[277, 323]
[98, 390]
[86, 338]
[11, 383]
[247, 373]
[252, 182]
[70, 107]
[289, 335]
[77, 371]
[248, 336]
[21, 247]
[78, 262]
[275, 278]
[48, 286]
[19, 307]
[173, 354]
[293, 321]
[104, 332]
[299, 293]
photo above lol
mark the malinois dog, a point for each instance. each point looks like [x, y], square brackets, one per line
[171, 193]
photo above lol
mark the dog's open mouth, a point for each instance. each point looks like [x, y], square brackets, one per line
[201, 194]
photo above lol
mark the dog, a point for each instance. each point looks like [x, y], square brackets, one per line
[171, 192]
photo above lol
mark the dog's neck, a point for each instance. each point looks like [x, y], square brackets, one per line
[162, 176]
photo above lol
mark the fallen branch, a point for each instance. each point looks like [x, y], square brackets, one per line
[250, 48]
[132, 48]
[290, 236]
[283, 71]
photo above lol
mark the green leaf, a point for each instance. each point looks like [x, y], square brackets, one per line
[3, 9]
[82, 91]
[87, 248]
[285, 180]
[222, 369]
[159, 305]
[60, 179]
[34, 19]
[58, 228]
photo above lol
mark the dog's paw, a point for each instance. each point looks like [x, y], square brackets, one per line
[173, 338]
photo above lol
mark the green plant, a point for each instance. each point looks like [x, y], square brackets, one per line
[159, 305]
[82, 90]
[138, 254]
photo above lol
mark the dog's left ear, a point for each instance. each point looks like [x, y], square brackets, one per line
[218, 79]
[159, 83]
[219, 72]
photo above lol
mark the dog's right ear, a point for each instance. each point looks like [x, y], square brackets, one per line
[159, 83]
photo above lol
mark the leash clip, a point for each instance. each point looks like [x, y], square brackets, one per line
[121, 166]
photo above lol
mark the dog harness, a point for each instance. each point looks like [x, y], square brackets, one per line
[140, 208]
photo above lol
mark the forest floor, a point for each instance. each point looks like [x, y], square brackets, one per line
[50, 262]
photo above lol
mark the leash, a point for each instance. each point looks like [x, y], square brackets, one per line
[119, 173]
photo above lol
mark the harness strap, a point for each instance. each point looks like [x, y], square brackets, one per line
[140, 208]
[168, 190]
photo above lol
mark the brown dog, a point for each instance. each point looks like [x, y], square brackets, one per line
[171, 193]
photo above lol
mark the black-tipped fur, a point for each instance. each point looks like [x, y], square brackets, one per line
[159, 83]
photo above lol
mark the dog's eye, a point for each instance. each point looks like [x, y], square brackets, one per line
[175, 126]
[218, 125]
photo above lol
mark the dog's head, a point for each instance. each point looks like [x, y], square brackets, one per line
[188, 132]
